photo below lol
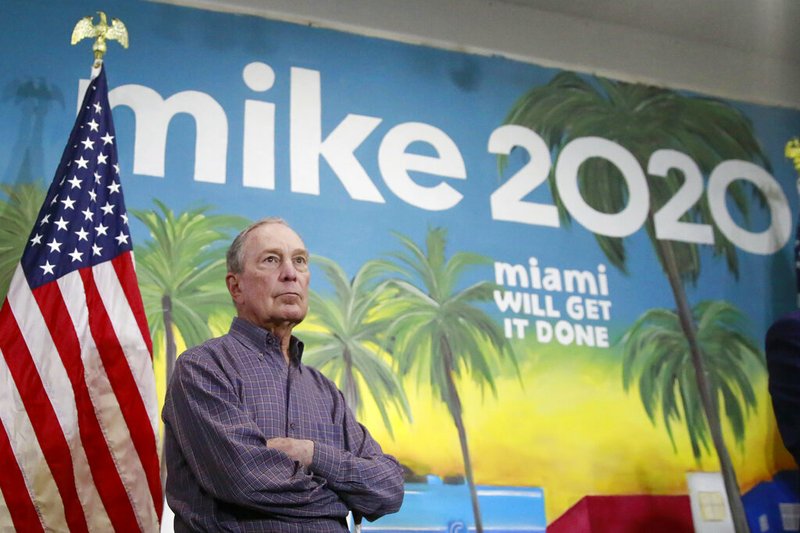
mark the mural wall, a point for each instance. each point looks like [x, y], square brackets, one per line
[506, 256]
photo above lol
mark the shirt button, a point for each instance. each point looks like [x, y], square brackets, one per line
[292, 425]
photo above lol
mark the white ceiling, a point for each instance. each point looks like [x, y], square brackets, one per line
[742, 49]
[765, 27]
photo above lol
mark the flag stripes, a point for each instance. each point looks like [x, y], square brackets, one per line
[21, 511]
[127, 278]
[46, 426]
[108, 488]
[127, 369]
[114, 397]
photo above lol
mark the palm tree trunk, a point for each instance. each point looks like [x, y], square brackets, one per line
[350, 390]
[169, 335]
[454, 404]
[707, 399]
[170, 356]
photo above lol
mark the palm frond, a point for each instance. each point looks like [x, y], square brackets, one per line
[656, 350]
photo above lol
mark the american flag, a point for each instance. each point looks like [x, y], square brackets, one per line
[78, 406]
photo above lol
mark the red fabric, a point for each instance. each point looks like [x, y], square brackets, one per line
[626, 514]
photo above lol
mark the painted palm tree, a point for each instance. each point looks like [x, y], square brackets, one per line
[35, 96]
[437, 330]
[181, 273]
[17, 216]
[644, 119]
[658, 357]
[349, 349]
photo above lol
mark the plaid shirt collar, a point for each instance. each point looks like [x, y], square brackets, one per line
[261, 340]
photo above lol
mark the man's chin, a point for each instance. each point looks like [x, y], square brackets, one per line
[295, 315]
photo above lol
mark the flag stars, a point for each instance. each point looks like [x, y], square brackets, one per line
[88, 225]
[48, 268]
[54, 245]
[61, 223]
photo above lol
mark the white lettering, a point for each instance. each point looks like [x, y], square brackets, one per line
[395, 163]
[153, 115]
[306, 144]
[621, 224]
[258, 146]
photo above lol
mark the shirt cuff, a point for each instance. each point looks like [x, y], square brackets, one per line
[327, 461]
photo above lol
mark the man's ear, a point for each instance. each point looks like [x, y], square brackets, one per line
[232, 281]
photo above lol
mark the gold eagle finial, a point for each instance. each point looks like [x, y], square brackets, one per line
[101, 33]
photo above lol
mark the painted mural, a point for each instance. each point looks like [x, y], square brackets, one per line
[518, 272]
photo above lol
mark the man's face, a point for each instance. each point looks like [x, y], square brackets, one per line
[272, 289]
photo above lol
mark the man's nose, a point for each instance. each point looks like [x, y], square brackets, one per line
[288, 270]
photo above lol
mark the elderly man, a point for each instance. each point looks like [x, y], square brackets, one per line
[255, 440]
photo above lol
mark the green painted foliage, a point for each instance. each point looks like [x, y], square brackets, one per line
[429, 312]
[437, 331]
[657, 359]
[185, 262]
[17, 216]
[349, 349]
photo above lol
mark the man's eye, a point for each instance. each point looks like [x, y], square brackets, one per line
[301, 260]
[271, 259]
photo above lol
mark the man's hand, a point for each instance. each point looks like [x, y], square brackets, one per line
[301, 450]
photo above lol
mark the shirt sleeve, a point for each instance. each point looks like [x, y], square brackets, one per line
[224, 449]
[366, 479]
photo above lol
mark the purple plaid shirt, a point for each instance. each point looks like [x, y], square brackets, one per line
[225, 399]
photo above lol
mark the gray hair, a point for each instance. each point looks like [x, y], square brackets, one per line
[234, 258]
